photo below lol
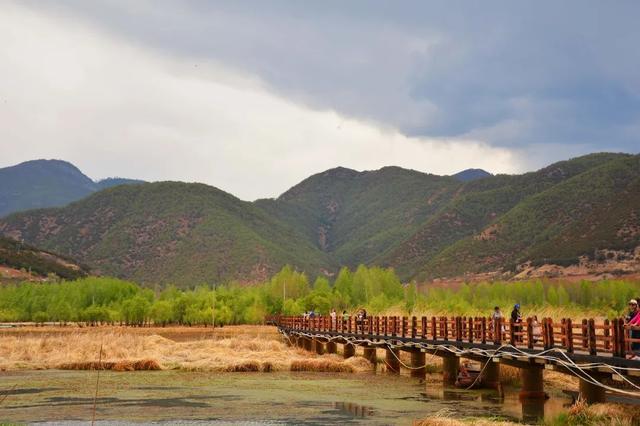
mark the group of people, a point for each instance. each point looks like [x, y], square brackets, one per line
[360, 316]
[516, 318]
[309, 314]
[633, 319]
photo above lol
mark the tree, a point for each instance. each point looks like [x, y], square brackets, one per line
[344, 286]
[161, 312]
[411, 297]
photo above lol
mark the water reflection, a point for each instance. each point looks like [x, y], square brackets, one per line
[533, 410]
[504, 404]
[356, 410]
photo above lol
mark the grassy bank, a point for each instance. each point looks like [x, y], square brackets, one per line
[252, 348]
[580, 414]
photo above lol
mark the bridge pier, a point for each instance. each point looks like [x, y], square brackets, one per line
[490, 374]
[318, 347]
[450, 368]
[332, 347]
[591, 393]
[300, 342]
[532, 384]
[348, 350]
[392, 359]
[308, 344]
[370, 355]
[418, 367]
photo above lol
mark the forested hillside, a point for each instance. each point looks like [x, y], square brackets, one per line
[19, 261]
[46, 183]
[168, 232]
[424, 226]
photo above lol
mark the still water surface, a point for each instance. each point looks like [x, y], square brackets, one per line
[178, 397]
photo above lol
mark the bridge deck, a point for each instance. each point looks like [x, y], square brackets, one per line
[547, 343]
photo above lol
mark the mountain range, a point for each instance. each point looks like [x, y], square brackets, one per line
[425, 226]
[47, 183]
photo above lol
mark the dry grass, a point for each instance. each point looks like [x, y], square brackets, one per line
[143, 364]
[441, 419]
[602, 414]
[124, 349]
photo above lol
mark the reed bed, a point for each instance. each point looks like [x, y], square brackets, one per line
[442, 419]
[599, 415]
[124, 350]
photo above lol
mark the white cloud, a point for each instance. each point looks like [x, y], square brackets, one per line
[72, 92]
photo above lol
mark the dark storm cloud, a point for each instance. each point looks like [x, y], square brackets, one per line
[513, 74]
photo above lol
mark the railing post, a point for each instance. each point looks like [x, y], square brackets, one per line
[385, 324]
[585, 334]
[569, 334]
[423, 331]
[483, 330]
[593, 349]
[349, 324]
[434, 331]
[622, 333]
[607, 335]
[615, 329]
[414, 326]
[459, 329]
[530, 333]
[512, 335]
[446, 329]
[471, 330]
[404, 326]
[393, 325]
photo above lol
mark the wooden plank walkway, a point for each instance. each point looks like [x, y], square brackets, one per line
[586, 337]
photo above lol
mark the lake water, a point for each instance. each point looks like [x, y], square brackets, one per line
[179, 397]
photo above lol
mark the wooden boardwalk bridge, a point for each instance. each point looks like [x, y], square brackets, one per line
[595, 352]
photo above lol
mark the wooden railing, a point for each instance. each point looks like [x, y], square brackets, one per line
[586, 337]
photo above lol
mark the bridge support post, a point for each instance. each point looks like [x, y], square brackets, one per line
[392, 359]
[490, 374]
[450, 369]
[308, 344]
[318, 347]
[418, 367]
[370, 355]
[332, 347]
[348, 350]
[532, 384]
[591, 393]
[300, 342]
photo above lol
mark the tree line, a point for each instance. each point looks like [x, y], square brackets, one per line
[98, 300]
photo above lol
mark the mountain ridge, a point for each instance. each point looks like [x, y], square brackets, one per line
[423, 225]
[47, 183]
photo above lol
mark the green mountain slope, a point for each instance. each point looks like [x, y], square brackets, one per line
[168, 233]
[15, 255]
[476, 205]
[46, 183]
[354, 216]
[596, 209]
[425, 226]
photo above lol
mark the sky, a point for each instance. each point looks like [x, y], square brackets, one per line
[254, 96]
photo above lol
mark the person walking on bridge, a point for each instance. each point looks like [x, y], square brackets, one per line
[516, 321]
